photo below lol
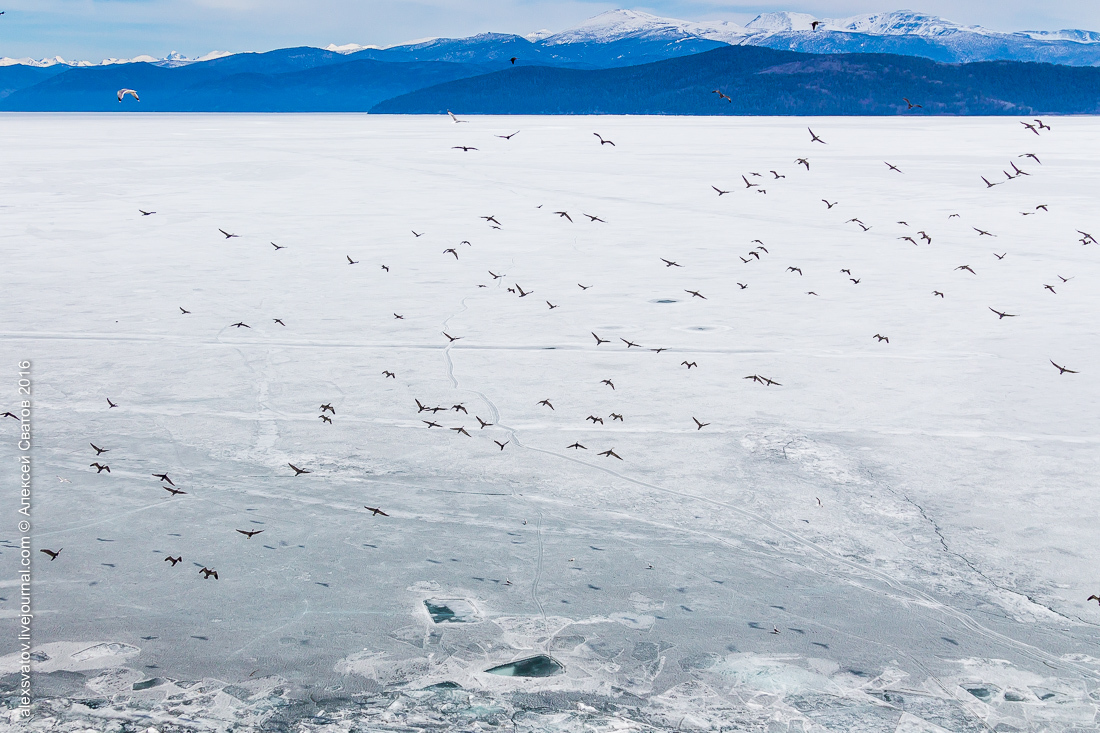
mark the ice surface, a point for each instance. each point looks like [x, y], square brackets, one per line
[952, 549]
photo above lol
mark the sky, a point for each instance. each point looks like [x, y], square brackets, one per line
[98, 29]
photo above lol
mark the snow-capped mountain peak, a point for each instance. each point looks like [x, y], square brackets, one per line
[779, 22]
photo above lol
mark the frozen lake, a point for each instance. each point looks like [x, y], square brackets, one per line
[894, 536]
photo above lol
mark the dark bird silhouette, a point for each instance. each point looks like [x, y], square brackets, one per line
[327, 408]
[385, 268]
[462, 430]
[98, 451]
[721, 95]
[183, 311]
[699, 425]
[670, 263]
[583, 287]
[629, 343]
[1017, 171]
[925, 237]
[11, 415]
[492, 219]
[600, 340]
[508, 137]
[523, 293]
[856, 281]
[803, 161]
[502, 444]
[697, 294]
[513, 60]
[595, 419]
[814, 138]
[1000, 257]
[1093, 598]
[326, 418]
[463, 148]
[298, 471]
[110, 404]
[813, 27]
[452, 251]
[847, 271]
[53, 555]
[967, 268]
[881, 338]
[610, 453]
[495, 276]
[227, 234]
[279, 321]
[892, 167]
[173, 560]
[911, 105]
[1030, 127]
[100, 468]
[277, 247]
[828, 205]
[909, 239]
[564, 215]
[483, 423]
[777, 175]
[1032, 156]
[937, 292]
[451, 338]
[388, 374]
[748, 184]
[351, 261]
[453, 118]
[576, 446]
[431, 424]
[207, 573]
[164, 477]
[602, 141]
[987, 185]
[720, 191]
[755, 254]
[616, 416]
[546, 402]
[1001, 315]
[795, 269]
[742, 285]
[1062, 369]
[688, 364]
[249, 533]
[239, 324]
[593, 219]
[608, 382]
[173, 492]
[375, 511]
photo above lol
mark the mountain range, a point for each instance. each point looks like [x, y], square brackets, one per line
[941, 60]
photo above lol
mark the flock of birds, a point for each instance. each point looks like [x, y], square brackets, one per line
[760, 251]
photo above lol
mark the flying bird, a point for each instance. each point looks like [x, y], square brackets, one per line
[564, 215]
[451, 338]
[455, 119]
[326, 418]
[893, 167]
[688, 364]
[375, 511]
[600, 340]
[1062, 370]
[462, 430]
[239, 324]
[183, 311]
[277, 247]
[608, 382]
[502, 444]
[173, 492]
[53, 555]
[669, 263]
[593, 219]
[803, 161]
[699, 425]
[815, 139]
[123, 92]
[696, 293]
[911, 105]
[610, 453]
[298, 471]
[508, 137]
[279, 321]
[146, 213]
[1001, 315]
[98, 451]
[602, 141]
[967, 268]
[547, 403]
[828, 205]
[207, 572]
[576, 446]
[351, 261]
[814, 25]
[249, 533]
[452, 251]
[463, 148]
[110, 404]
[100, 468]
[720, 191]
[629, 343]
[228, 235]
[163, 477]
[328, 408]
[173, 560]
[881, 338]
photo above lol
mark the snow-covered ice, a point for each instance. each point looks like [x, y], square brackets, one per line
[915, 518]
